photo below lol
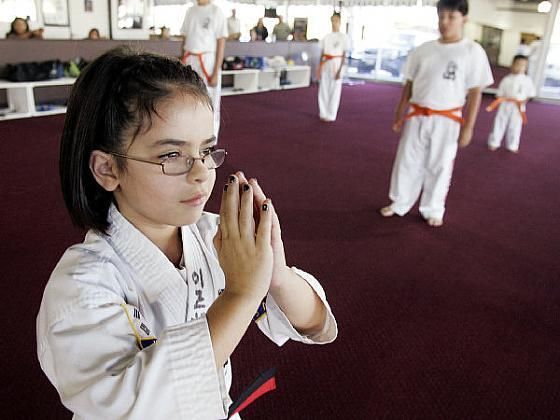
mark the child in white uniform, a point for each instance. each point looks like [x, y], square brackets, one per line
[513, 92]
[439, 74]
[139, 320]
[333, 47]
[205, 31]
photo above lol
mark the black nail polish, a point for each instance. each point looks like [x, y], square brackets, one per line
[265, 207]
[245, 187]
[231, 179]
[225, 187]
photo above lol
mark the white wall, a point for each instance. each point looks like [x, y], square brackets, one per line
[490, 13]
[143, 33]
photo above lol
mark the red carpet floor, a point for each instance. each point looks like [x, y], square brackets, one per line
[460, 322]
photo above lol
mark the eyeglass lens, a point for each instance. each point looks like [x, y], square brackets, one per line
[184, 164]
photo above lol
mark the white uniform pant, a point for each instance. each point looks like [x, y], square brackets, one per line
[424, 163]
[329, 90]
[508, 121]
[214, 92]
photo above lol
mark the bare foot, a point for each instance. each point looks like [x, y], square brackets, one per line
[492, 148]
[386, 211]
[433, 222]
[513, 151]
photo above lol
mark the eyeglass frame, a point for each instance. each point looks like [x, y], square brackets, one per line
[162, 164]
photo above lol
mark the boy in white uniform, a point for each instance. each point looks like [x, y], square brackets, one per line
[333, 47]
[514, 91]
[439, 75]
[205, 32]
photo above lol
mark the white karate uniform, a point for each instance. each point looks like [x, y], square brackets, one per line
[508, 118]
[202, 27]
[441, 75]
[111, 297]
[335, 44]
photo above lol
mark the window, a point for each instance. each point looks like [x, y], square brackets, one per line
[11, 9]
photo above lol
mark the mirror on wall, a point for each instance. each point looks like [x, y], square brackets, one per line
[130, 14]
[55, 12]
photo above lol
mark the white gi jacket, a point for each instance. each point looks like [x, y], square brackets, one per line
[118, 339]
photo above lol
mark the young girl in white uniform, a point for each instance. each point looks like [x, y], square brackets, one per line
[333, 47]
[513, 92]
[139, 320]
[205, 31]
[439, 74]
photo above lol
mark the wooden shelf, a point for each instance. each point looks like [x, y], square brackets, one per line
[22, 103]
[21, 98]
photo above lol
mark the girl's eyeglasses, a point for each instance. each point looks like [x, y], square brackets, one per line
[180, 165]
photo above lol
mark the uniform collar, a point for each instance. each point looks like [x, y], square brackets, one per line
[152, 269]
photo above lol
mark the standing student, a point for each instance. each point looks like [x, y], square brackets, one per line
[333, 50]
[281, 30]
[233, 26]
[439, 76]
[19, 29]
[513, 92]
[139, 320]
[259, 31]
[205, 31]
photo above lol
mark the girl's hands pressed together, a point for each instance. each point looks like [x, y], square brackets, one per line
[280, 269]
[251, 253]
[245, 253]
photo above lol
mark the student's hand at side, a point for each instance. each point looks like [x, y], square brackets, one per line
[245, 255]
[213, 82]
[465, 136]
[397, 126]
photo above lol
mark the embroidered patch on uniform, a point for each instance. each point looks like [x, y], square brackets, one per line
[261, 311]
[139, 329]
[451, 71]
[146, 342]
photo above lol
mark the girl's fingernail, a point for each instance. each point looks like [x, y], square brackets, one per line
[245, 187]
[225, 187]
[231, 179]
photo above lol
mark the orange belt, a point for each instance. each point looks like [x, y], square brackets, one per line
[200, 60]
[519, 104]
[453, 113]
[324, 59]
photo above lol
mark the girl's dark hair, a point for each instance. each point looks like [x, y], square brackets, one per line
[460, 5]
[13, 26]
[114, 99]
[519, 57]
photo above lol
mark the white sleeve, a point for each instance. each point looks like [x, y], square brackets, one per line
[480, 74]
[221, 24]
[502, 88]
[411, 66]
[185, 25]
[102, 358]
[276, 326]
